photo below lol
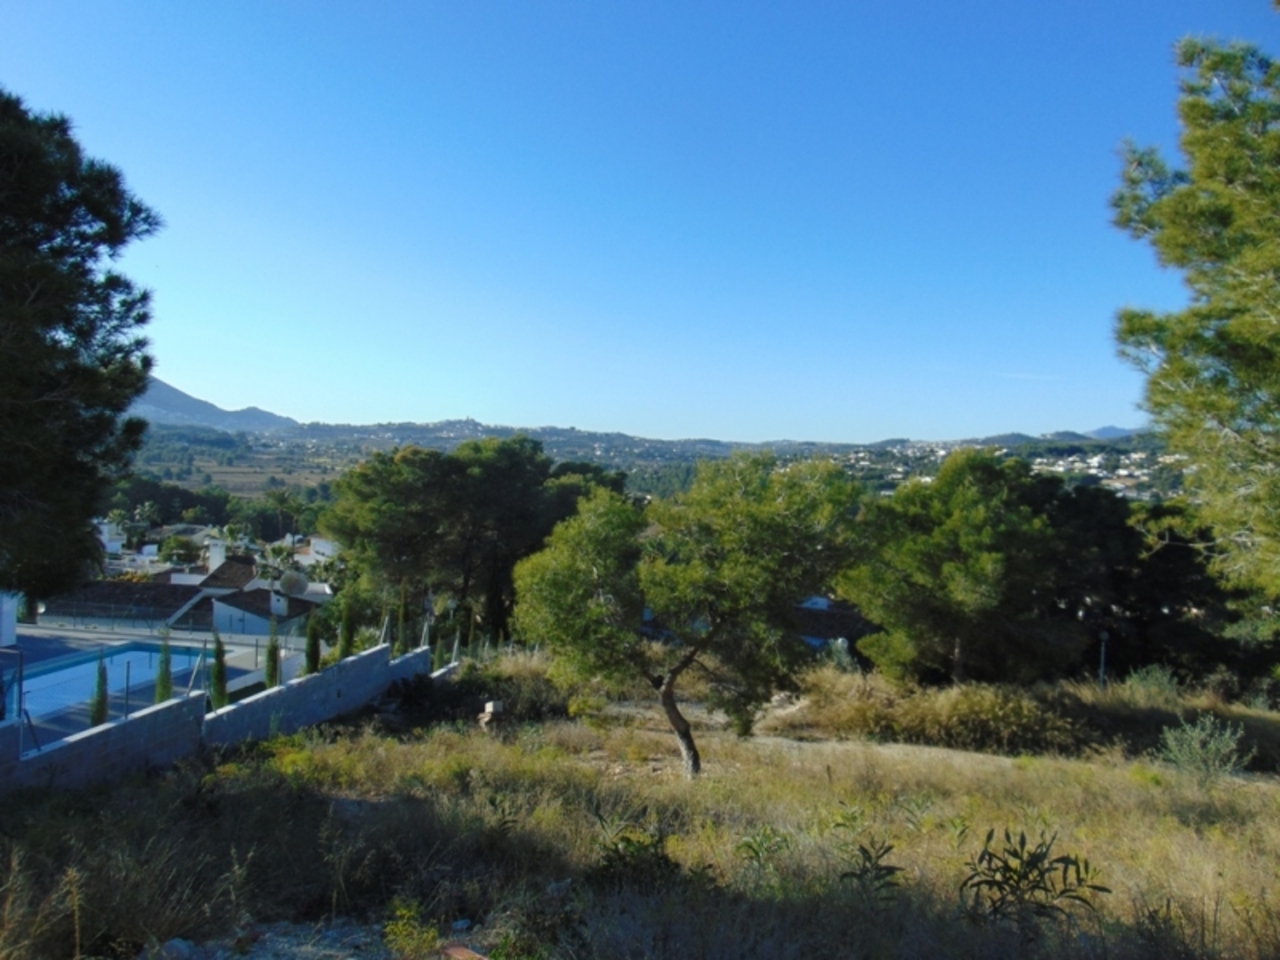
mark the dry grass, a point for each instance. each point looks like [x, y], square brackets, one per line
[745, 862]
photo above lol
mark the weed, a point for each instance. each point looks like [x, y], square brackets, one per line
[874, 879]
[1023, 884]
[632, 856]
[760, 849]
[406, 935]
[1208, 749]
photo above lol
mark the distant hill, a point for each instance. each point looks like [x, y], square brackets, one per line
[168, 405]
[1113, 433]
[165, 405]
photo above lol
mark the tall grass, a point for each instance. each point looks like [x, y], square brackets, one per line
[575, 839]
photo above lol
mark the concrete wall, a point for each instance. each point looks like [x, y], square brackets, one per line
[162, 734]
[303, 702]
[154, 737]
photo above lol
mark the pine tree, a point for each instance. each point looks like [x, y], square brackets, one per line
[1213, 368]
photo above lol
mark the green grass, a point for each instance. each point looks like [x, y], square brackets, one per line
[782, 849]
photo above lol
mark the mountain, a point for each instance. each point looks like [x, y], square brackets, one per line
[1114, 433]
[169, 406]
[162, 403]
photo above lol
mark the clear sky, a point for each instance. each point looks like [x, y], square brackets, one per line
[749, 221]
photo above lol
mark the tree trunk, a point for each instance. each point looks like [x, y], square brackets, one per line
[684, 735]
[957, 662]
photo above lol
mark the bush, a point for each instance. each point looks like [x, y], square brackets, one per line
[970, 717]
[1020, 884]
[1208, 749]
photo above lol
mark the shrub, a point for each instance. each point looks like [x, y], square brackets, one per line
[1023, 884]
[967, 717]
[407, 936]
[984, 718]
[1151, 686]
[1208, 749]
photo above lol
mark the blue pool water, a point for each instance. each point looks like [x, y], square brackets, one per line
[69, 681]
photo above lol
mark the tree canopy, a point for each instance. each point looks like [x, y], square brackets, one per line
[963, 574]
[718, 570]
[71, 356]
[456, 523]
[1213, 367]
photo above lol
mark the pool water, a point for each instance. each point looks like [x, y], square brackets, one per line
[57, 685]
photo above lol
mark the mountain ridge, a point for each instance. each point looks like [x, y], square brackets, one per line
[165, 404]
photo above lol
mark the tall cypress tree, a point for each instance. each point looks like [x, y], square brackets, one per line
[218, 678]
[347, 631]
[164, 673]
[100, 706]
[273, 656]
[313, 644]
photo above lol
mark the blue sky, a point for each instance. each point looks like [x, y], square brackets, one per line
[749, 221]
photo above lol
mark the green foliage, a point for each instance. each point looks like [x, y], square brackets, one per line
[1022, 884]
[73, 357]
[312, 653]
[875, 880]
[180, 550]
[456, 523]
[720, 569]
[632, 857]
[407, 936]
[272, 674]
[347, 630]
[1207, 750]
[963, 574]
[760, 850]
[218, 675]
[1213, 368]
[979, 717]
[164, 673]
[100, 705]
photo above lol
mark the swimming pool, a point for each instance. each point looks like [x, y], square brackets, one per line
[56, 685]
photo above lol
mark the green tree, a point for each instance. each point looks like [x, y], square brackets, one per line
[456, 524]
[71, 357]
[164, 673]
[1213, 368]
[100, 705]
[721, 568]
[965, 573]
[273, 656]
[177, 549]
[218, 675]
[347, 630]
[313, 645]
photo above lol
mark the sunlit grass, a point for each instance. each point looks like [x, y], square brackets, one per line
[446, 822]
